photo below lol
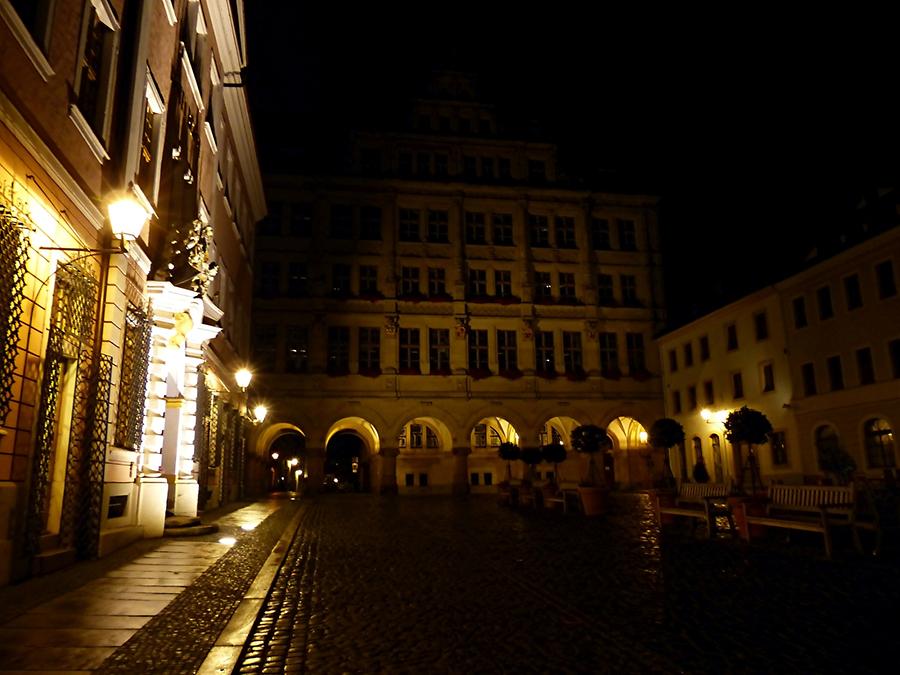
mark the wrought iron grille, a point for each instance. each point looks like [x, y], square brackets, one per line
[133, 384]
[201, 442]
[88, 542]
[70, 340]
[13, 258]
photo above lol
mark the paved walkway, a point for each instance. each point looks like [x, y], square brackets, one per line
[443, 585]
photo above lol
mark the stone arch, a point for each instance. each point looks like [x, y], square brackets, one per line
[558, 428]
[484, 467]
[441, 433]
[425, 460]
[360, 426]
[270, 433]
[633, 459]
[482, 412]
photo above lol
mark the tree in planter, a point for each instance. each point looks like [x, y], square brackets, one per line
[509, 452]
[753, 428]
[554, 453]
[701, 475]
[665, 433]
[531, 457]
[590, 439]
[834, 460]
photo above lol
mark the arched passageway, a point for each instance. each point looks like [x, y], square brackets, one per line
[345, 467]
[287, 461]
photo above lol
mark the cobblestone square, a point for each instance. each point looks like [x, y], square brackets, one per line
[407, 585]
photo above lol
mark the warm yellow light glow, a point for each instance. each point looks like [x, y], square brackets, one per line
[260, 412]
[248, 527]
[228, 541]
[274, 455]
[127, 218]
[642, 437]
[294, 461]
[243, 377]
[721, 416]
[705, 414]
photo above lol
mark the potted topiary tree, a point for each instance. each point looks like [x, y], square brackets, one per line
[834, 460]
[509, 452]
[665, 433]
[591, 439]
[531, 457]
[753, 428]
[553, 453]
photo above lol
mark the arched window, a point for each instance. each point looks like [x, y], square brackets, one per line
[879, 442]
[827, 441]
[717, 457]
[698, 450]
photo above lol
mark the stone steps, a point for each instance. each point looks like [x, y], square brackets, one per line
[187, 526]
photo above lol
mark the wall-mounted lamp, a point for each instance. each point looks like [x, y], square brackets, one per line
[259, 413]
[243, 377]
[126, 218]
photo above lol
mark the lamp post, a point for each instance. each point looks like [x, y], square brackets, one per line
[242, 378]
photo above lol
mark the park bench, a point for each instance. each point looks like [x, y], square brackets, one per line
[807, 508]
[565, 496]
[698, 501]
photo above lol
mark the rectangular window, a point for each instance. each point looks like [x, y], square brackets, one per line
[634, 343]
[439, 350]
[823, 297]
[627, 236]
[572, 352]
[338, 349]
[437, 281]
[470, 167]
[441, 164]
[478, 350]
[505, 168]
[298, 280]
[538, 230]
[488, 478]
[543, 289]
[341, 224]
[487, 168]
[731, 341]
[473, 478]
[605, 293]
[737, 385]
[761, 326]
[36, 15]
[852, 292]
[301, 220]
[340, 279]
[629, 290]
[423, 163]
[270, 279]
[808, 373]
[409, 479]
[865, 368]
[404, 163]
[507, 359]
[438, 227]
[97, 64]
[600, 239]
[778, 441]
[368, 280]
[704, 348]
[673, 361]
[370, 223]
[835, 373]
[692, 397]
[709, 392]
[409, 350]
[409, 281]
[475, 232]
[264, 347]
[503, 283]
[409, 225]
[565, 232]
[503, 229]
[566, 287]
[799, 305]
[480, 434]
[688, 355]
[609, 354]
[768, 377]
[884, 275]
[537, 171]
[477, 283]
[296, 349]
[543, 351]
[415, 436]
[369, 350]
[270, 226]
[894, 351]
[676, 402]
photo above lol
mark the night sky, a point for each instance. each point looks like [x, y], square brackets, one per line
[758, 140]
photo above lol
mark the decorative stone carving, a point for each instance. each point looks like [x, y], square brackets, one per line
[391, 325]
[528, 326]
[462, 326]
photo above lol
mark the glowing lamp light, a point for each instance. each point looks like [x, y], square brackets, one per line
[274, 455]
[243, 377]
[260, 412]
[294, 461]
[721, 416]
[228, 541]
[642, 437]
[705, 414]
[248, 527]
[127, 218]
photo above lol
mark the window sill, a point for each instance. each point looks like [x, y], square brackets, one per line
[26, 41]
[90, 137]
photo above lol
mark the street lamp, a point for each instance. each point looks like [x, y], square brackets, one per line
[243, 377]
[127, 218]
[259, 413]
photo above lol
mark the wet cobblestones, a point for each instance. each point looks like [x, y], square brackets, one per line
[381, 585]
[178, 639]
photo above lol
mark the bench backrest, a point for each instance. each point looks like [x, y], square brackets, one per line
[810, 497]
[697, 491]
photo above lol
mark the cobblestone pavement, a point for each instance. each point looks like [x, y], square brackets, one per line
[441, 585]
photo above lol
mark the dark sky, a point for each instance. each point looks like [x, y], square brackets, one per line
[758, 132]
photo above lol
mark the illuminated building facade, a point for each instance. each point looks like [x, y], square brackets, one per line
[818, 353]
[450, 291]
[107, 344]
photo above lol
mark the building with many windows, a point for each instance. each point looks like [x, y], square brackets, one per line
[451, 291]
[117, 399]
[818, 353]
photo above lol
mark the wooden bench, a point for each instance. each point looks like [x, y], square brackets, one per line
[566, 495]
[808, 508]
[699, 501]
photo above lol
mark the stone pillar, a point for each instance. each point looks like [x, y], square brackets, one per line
[315, 470]
[389, 471]
[461, 470]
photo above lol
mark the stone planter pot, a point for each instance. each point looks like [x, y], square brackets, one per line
[594, 500]
[742, 506]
